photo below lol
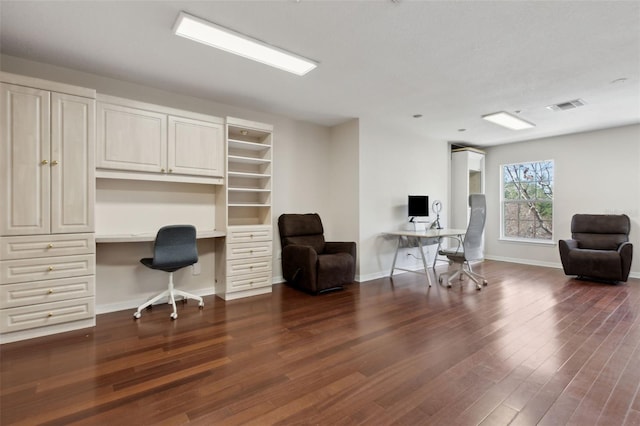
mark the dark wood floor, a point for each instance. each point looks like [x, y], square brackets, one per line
[534, 347]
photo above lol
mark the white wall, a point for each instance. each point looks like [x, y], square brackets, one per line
[301, 167]
[394, 164]
[342, 175]
[595, 172]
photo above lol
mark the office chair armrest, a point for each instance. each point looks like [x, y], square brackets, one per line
[340, 247]
[458, 248]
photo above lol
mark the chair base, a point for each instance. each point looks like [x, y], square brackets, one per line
[478, 279]
[171, 294]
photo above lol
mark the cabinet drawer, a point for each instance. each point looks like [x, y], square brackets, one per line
[249, 250]
[46, 268]
[22, 294]
[248, 266]
[26, 247]
[248, 234]
[245, 282]
[44, 314]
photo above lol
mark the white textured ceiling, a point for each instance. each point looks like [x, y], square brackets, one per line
[451, 61]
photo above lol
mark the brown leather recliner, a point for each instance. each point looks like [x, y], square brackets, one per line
[599, 247]
[308, 261]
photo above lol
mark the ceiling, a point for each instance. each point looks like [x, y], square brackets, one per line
[449, 61]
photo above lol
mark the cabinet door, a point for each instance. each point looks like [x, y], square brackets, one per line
[195, 147]
[131, 139]
[24, 160]
[72, 163]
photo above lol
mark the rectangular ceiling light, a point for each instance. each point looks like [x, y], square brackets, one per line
[205, 32]
[507, 120]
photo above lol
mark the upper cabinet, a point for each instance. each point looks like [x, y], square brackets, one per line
[158, 143]
[46, 158]
[467, 177]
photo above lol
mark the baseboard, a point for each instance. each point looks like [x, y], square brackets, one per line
[133, 304]
[555, 265]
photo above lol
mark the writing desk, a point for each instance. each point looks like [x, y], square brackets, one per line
[148, 236]
[419, 236]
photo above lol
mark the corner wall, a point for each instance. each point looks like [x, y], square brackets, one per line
[595, 172]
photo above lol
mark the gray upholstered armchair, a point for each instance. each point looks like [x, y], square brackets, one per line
[308, 261]
[599, 247]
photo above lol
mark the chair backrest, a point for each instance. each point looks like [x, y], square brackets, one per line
[302, 229]
[473, 237]
[600, 231]
[175, 246]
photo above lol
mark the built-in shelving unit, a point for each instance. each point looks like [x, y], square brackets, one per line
[244, 267]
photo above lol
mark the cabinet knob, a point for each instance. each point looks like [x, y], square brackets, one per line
[44, 162]
[51, 268]
[50, 314]
[54, 162]
[250, 251]
[50, 245]
[170, 170]
[50, 291]
[162, 170]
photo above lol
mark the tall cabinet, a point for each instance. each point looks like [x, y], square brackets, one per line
[47, 196]
[244, 265]
[467, 177]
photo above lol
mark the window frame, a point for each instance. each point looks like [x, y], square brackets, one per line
[503, 237]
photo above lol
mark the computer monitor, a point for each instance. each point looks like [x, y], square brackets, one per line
[418, 206]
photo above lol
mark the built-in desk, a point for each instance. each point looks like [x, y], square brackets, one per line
[142, 237]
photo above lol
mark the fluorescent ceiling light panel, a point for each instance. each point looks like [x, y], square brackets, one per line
[507, 120]
[199, 30]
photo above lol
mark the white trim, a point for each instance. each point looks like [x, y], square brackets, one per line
[133, 304]
[528, 241]
[554, 265]
[501, 200]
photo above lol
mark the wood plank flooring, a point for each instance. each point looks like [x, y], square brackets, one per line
[534, 347]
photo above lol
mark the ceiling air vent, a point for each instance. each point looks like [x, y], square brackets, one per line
[564, 106]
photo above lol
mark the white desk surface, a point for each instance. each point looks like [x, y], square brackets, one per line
[135, 238]
[429, 233]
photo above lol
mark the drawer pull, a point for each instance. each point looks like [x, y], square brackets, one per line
[50, 314]
[251, 236]
[250, 251]
[162, 170]
[50, 291]
[51, 268]
[50, 245]
[44, 162]
[170, 170]
[55, 162]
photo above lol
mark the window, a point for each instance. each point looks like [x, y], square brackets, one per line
[527, 201]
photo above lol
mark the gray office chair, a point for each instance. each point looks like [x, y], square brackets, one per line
[471, 246]
[174, 248]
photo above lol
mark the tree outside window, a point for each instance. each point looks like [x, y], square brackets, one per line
[527, 200]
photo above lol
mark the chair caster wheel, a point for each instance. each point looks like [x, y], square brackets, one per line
[440, 280]
[137, 315]
[174, 316]
[485, 282]
[448, 285]
[201, 305]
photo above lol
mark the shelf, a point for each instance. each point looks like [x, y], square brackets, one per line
[249, 175]
[249, 190]
[249, 146]
[248, 205]
[247, 160]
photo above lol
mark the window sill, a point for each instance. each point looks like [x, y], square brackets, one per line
[526, 241]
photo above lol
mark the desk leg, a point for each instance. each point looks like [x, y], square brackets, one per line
[424, 262]
[435, 257]
[395, 257]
